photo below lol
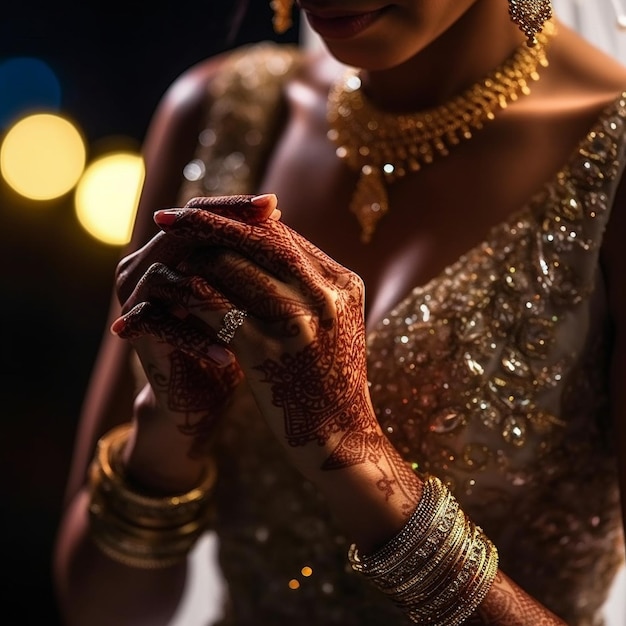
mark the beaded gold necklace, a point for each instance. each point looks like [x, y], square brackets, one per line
[384, 147]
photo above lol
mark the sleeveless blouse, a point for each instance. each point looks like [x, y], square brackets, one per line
[493, 376]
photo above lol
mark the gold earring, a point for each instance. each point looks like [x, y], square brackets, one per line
[530, 16]
[282, 15]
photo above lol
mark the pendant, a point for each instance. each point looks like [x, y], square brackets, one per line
[369, 201]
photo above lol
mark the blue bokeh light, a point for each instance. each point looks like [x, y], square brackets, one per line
[27, 85]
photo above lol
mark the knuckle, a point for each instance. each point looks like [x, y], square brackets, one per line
[155, 268]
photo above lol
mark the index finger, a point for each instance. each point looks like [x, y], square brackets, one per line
[249, 209]
[171, 251]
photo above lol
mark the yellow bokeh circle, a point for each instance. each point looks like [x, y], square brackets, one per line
[42, 156]
[106, 196]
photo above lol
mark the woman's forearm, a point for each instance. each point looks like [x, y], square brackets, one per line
[96, 590]
[371, 501]
[506, 604]
[155, 461]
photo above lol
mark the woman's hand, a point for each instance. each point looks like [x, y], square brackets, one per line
[301, 347]
[189, 391]
[302, 344]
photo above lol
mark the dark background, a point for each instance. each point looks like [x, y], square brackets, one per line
[114, 61]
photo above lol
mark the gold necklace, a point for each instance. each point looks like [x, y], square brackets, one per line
[384, 146]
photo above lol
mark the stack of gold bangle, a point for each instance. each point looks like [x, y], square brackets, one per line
[439, 567]
[140, 530]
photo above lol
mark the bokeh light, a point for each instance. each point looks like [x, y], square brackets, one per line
[42, 156]
[106, 196]
[27, 85]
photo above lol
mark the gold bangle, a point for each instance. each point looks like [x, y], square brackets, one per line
[145, 510]
[480, 570]
[424, 584]
[411, 541]
[134, 551]
[136, 529]
[441, 569]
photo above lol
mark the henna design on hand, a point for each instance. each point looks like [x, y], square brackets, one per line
[153, 297]
[232, 275]
[194, 386]
[313, 412]
[171, 251]
[273, 246]
[194, 390]
[305, 315]
[237, 207]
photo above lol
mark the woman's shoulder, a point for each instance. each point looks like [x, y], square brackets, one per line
[230, 78]
[579, 89]
[584, 71]
[247, 66]
[172, 136]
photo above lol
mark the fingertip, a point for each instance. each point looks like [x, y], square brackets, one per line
[266, 200]
[118, 326]
[166, 217]
[219, 355]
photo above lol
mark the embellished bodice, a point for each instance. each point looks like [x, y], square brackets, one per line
[493, 376]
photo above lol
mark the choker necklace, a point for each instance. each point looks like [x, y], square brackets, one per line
[385, 146]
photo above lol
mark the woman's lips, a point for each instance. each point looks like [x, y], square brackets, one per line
[342, 26]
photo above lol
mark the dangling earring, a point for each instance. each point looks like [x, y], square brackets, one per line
[282, 15]
[530, 16]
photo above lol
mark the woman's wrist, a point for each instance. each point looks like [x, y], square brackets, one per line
[138, 528]
[160, 461]
[439, 567]
[159, 457]
[374, 498]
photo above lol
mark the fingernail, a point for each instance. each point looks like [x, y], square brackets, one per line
[166, 217]
[265, 199]
[220, 355]
[118, 325]
[275, 215]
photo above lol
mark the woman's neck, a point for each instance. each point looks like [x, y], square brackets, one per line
[479, 41]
